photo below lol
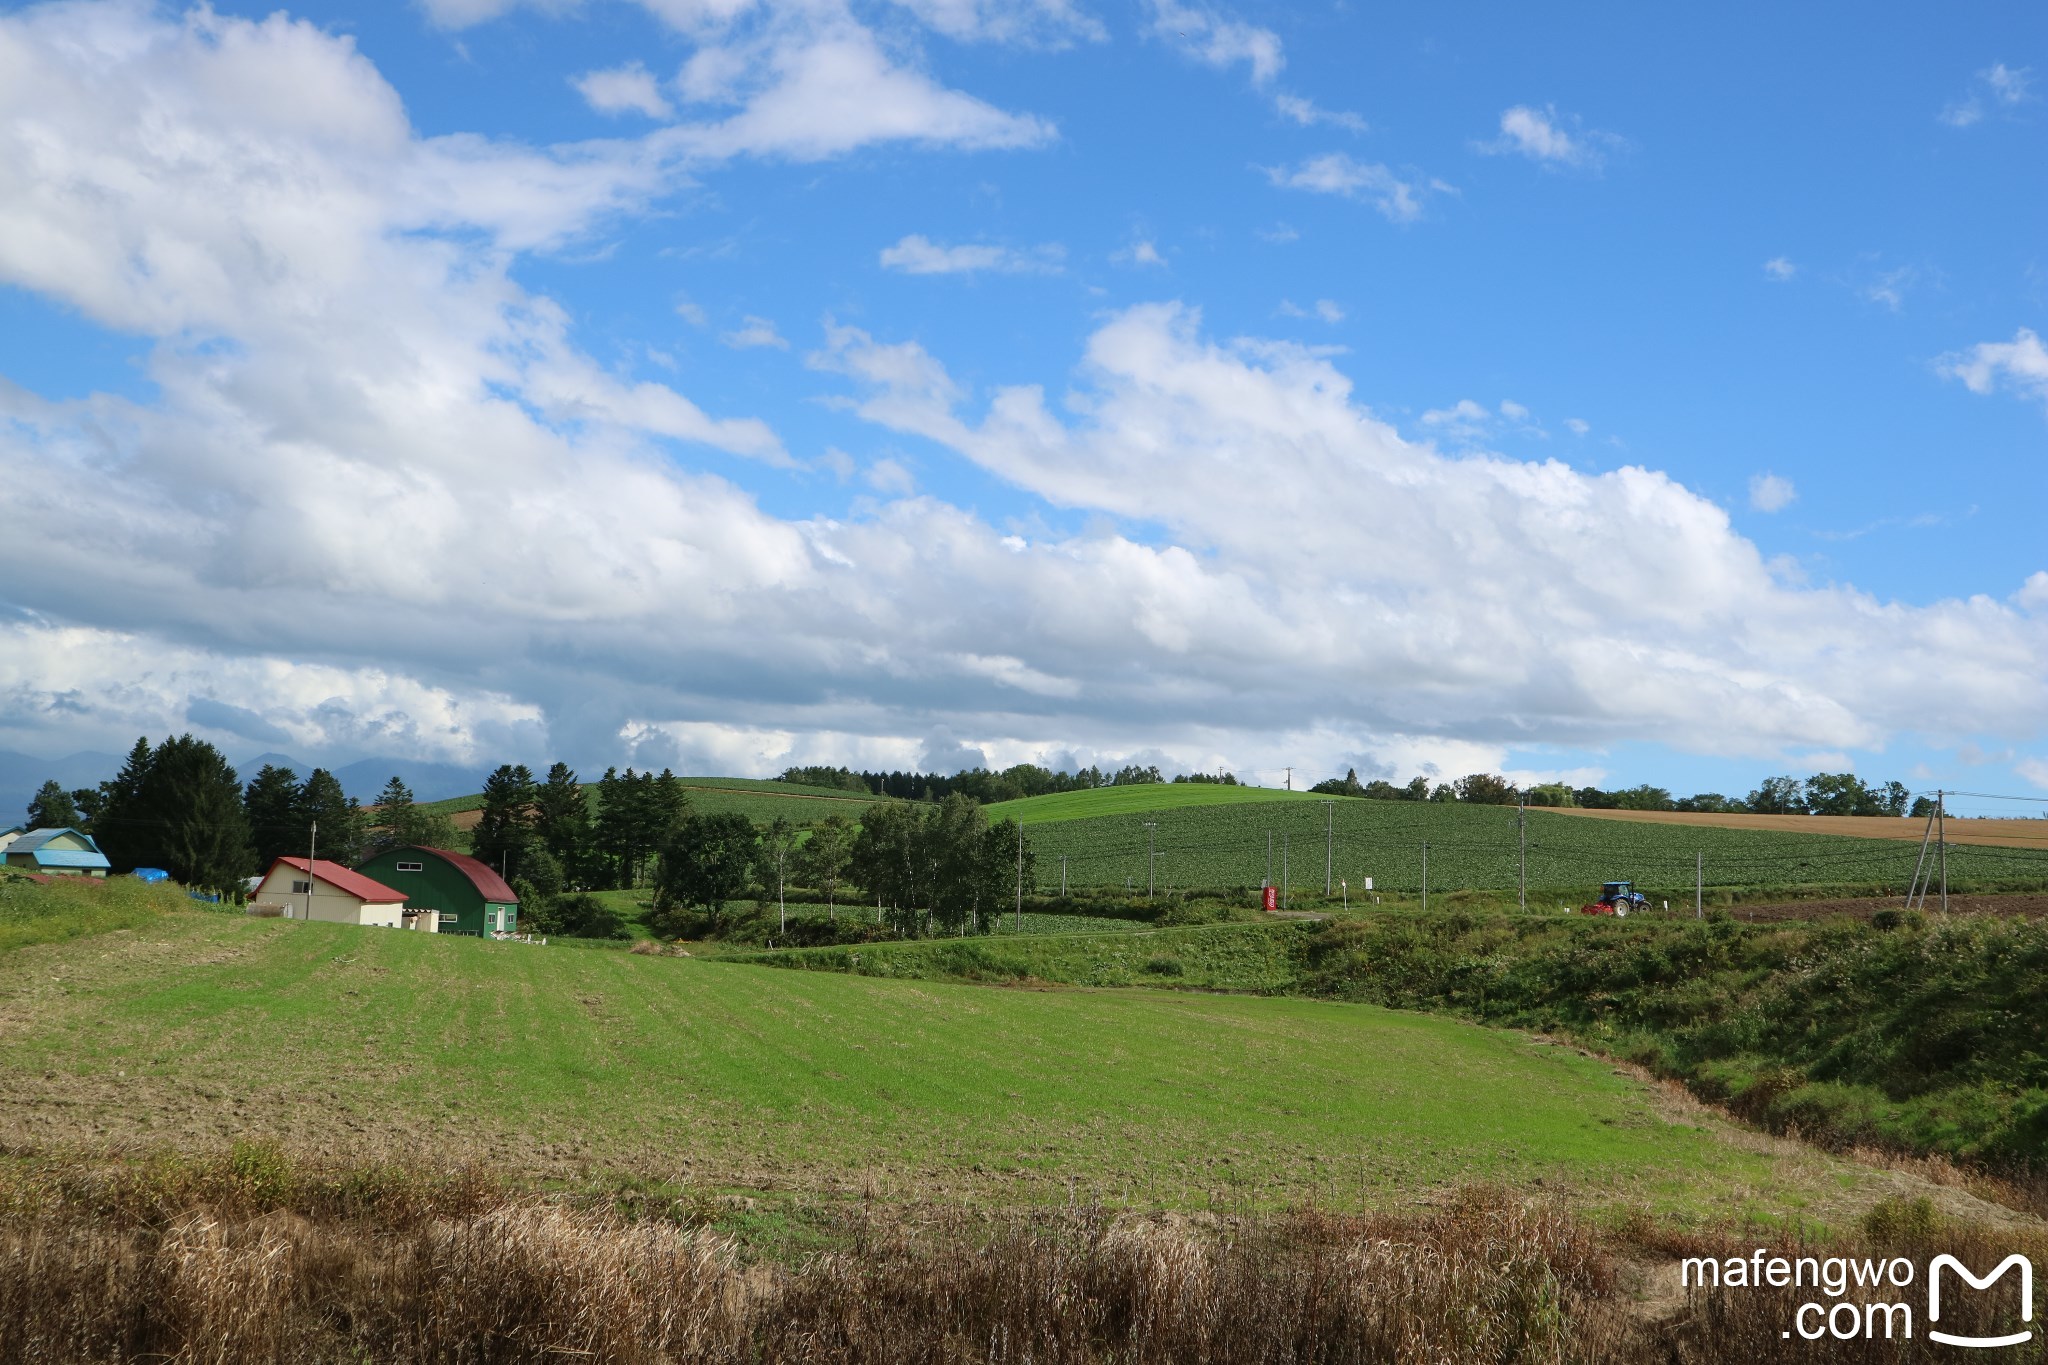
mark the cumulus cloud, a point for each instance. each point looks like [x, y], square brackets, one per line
[1779, 269]
[1545, 138]
[1323, 310]
[1726, 656]
[919, 255]
[1216, 40]
[1308, 114]
[1996, 87]
[2021, 364]
[1577, 426]
[378, 499]
[754, 332]
[1771, 493]
[1398, 200]
[1139, 253]
[1035, 23]
[628, 89]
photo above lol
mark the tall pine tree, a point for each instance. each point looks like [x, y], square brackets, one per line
[562, 822]
[53, 808]
[276, 825]
[339, 818]
[505, 829]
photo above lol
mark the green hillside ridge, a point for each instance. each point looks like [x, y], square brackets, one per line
[1138, 799]
[211, 1028]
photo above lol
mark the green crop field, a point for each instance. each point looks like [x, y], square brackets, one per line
[202, 1028]
[1204, 844]
[1141, 799]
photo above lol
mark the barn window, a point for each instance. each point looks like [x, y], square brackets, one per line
[410, 867]
[302, 888]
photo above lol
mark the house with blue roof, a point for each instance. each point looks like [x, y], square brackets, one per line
[63, 852]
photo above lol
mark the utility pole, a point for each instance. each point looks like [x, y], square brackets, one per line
[1269, 861]
[1020, 876]
[1522, 849]
[1329, 843]
[1150, 826]
[312, 845]
[1063, 876]
[1290, 779]
[1699, 885]
[779, 906]
[1283, 872]
[1941, 835]
[1425, 878]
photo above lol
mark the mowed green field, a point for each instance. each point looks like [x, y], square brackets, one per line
[205, 1028]
[1208, 842]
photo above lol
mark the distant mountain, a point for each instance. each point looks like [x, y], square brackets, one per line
[365, 778]
[22, 774]
[429, 781]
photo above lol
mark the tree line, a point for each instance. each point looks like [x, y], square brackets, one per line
[988, 788]
[1820, 794]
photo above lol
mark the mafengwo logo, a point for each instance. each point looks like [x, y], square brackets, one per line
[1866, 1315]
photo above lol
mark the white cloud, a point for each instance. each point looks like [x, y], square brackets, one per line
[888, 475]
[2033, 771]
[1034, 23]
[1771, 493]
[1724, 656]
[1308, 114]
[2022, 363]
[1540, 135]
[1139, 253]
[622, 90]
[1513, 411]
[754, 332]
[1325, 310]
[692, 313]
[815, 83]
[1335, 173]
[1996, 87]
[1217, 41]
[1780, 269]
[1280, 234]
[1889, 287]
[918, 255]
[1577, 426]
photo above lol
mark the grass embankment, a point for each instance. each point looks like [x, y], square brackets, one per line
[1215, 842]
[1921, 1036]
[539, 1060]
[77, 907]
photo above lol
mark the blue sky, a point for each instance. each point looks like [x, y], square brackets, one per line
[1618, 395]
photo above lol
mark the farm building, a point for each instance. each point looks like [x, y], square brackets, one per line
[467, 895]
[318, 889]
[8, 836]
[61, 852]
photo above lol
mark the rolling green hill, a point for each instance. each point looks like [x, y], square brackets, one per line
[204, 1028]
[1134, 800]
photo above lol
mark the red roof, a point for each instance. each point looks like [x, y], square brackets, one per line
[335, 875]
[481, 875]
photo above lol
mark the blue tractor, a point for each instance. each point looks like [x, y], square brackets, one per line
[1617, 899]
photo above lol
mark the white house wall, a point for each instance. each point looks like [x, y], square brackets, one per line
[330, 903]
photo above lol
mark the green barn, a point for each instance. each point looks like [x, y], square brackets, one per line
[471, 898]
